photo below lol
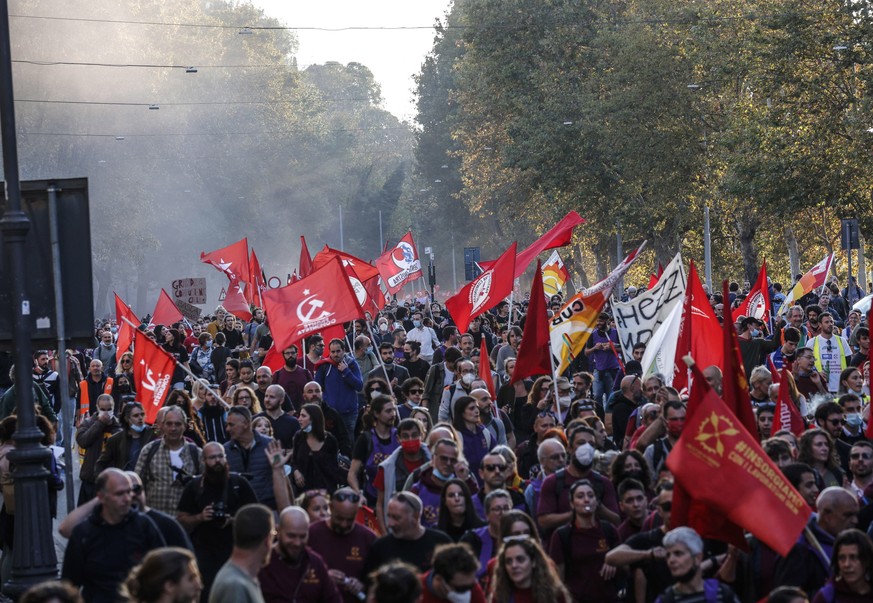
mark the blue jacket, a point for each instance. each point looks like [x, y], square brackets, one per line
[341, 388]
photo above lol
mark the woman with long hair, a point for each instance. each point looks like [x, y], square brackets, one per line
[851, 564]
[314, 452]
[852, 382]
[166, 574]
[122, 391]
[524, 574]
[456, 512]
[411, 392]
[375, 444]
[816, 449]
[477, 439]
[173, 344]
[245, 396]
[540, 399]
[579, 549]
[125, 365]
[630, 464]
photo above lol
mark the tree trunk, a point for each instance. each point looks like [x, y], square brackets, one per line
[793, 253]
[862, 265]
[601, 258]
[747, 227]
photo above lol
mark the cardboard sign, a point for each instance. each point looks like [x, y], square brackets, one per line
[190, 290]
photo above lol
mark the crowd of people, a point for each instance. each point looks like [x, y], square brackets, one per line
[382, 465]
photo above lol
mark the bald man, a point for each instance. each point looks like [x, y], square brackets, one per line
[805, 567]
[284, 425]
[296, 572]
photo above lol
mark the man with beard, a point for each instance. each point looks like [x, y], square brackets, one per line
[553, 508]
[291, 377]
[629, 397]
[295, 572]
[684, 558]
[94, 384]
[333, 422]
[396, 373]
[412, 362]
[208, 503]
[343, 543]
[831, 352]
[237, 581]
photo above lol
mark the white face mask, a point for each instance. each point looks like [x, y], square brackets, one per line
[468, 378]
[585, 454]
[459, 597]
[564, 401]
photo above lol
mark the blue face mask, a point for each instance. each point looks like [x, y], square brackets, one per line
[369, 349]
[440, 476]
[416, 323]
[756, 332]
[307, 429]
[138, 428]
[853, 419]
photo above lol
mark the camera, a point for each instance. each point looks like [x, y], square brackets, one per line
[219, 512]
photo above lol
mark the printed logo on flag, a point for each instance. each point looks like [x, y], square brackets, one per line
[156, 387]
[479, 293]
[711, 431]
[404, 258]
[757, 308]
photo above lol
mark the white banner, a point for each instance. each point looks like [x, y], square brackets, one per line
[661, 348]
[638, 319]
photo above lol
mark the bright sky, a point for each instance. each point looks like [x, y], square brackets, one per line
[393, 56]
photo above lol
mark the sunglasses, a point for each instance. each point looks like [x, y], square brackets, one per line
[857, 456]
[494, 467]
[416, 391]
[347, 497]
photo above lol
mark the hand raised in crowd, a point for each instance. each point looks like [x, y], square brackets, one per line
[277, 457]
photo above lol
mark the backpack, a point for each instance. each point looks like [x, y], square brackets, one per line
[713, 592]
[660, 451]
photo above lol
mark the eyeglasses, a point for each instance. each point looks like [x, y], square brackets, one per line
[126, 361]
[416, 391]
[857, 456]
[137, 489]
[346, 497]
[835, 422]
[494, 467]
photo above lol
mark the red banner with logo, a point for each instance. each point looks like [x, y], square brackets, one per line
[153, 373]
[399, 265]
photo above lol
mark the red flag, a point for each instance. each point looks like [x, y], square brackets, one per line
[485, 369]
[153, 373]
[357, 270]
[166, 312]
[786, 415]
[125, 331]
[274, 359]
[757, 303]
[735, 387]
[715, 449]
[700, 334]
[483, 292]
[376, 297]
[534, 355]
[305, 265]
[559, 235]
[235, 301]
[232, 260]
[399, 265]
[322, 299]
[258, 284]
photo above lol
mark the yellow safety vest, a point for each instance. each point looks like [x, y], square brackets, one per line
[816, 350]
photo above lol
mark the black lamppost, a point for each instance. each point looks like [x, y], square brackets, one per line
[33, 557]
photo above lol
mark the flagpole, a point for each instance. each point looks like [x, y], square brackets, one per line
[194, 377]
[554, 384]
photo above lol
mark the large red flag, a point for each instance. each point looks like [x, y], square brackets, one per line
[535, 354]
[236, 302]
[700, 334]
[757, 303]
[399, 265]
[273, 359]
[358, 271]
[786, 415]
[322, 299]
[153, 373]
[304, 267]
[257, 283]
[232, 260]
[376, 297]
[166, 312]
[483, 292]
[715, 449]
[125, 330]
[558, 235]
[735, 387]
[485, 369]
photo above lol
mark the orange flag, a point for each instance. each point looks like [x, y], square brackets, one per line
[716, 449]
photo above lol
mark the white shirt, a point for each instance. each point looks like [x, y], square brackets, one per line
[426, 337]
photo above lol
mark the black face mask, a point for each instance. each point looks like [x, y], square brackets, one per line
[689, 575]
[124, 388]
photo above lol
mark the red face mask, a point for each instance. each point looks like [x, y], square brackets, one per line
[674, 428]
[410, 446]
